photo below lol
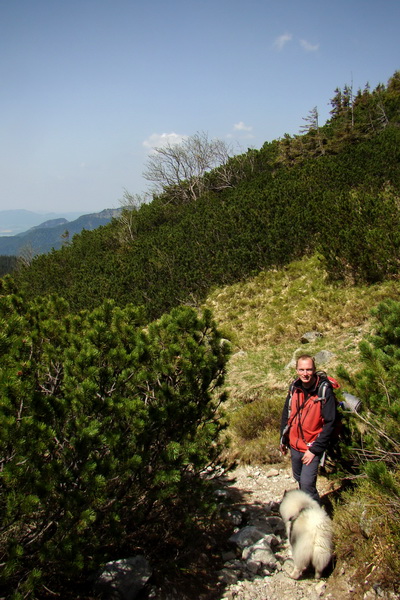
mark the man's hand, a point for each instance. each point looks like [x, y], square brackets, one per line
[283, 449]
[308, 456]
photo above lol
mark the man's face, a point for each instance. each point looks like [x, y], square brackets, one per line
[305, 371]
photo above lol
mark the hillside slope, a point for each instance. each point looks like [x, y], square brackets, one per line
[329, 190]
[166, 254]
[265, 317]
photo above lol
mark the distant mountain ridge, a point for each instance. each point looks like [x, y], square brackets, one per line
[14, 221]
[46, 225]
[52, 233]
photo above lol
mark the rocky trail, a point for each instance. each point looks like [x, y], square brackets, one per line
[258, 492]
[253, 569]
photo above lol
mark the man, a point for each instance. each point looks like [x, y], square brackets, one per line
[307, 424]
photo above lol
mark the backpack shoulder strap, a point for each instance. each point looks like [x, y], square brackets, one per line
[291, 388]
[291, 391]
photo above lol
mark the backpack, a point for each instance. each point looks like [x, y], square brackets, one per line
[326, 381]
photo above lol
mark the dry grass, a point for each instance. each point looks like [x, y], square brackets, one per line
[367, 532]
[277, 307]
[272, 310]
[265, 317]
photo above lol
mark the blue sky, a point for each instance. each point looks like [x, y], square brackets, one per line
[89, 86]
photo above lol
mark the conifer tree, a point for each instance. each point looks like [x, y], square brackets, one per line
[378, 384]
[106, 427]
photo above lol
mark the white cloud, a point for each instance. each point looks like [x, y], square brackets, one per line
[157, 140]
[308, 47]
[242, 131]
[282, 40]
[242, 127]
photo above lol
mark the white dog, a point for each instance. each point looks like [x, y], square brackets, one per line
[309, 531]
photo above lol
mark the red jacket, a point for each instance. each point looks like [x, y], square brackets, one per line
[310, 424]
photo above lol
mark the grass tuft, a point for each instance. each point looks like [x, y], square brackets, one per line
[265, 318]
[367, 535]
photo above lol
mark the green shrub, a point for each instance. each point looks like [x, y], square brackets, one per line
[377, 383]
[368, 521]
[251, 420]
[106, 428]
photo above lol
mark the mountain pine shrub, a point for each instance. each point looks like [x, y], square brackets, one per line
[378, 385]
[371, 515]
[107, 428]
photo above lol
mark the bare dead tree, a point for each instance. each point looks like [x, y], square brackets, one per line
[130, 204]
[179, 168]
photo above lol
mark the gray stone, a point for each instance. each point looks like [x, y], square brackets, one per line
[227, 576]
[275, 525]
[310, 336]
[253, 566]
[259, 554]
[272, 473]
[271, 540]
[228, 556]
[366, 523]
[246, 536]
[288, 566]
[323, 356]
[123, 579]
[234, 516]
[369, 595]
[221, 494]
[320, 588]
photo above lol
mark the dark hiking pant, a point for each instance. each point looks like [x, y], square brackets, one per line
[305, 475]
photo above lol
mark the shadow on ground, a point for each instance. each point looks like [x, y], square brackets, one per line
[196, 572]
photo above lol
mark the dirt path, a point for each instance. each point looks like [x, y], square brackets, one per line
[254, 493]
[257, 491]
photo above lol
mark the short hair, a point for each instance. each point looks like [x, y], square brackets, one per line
[306, 357]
